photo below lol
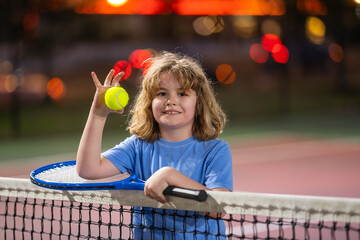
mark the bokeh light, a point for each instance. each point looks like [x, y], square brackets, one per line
[245, 26]
[56, 89]
[258, 54]
[336, 52]
[117, 3]
[122, 66]
[229, 7]
[138, 57]
[7, 78]
[36, 85]
[31, 21]
[312, 7]
[225, 74]
[10, 83]
[280, 53]
[153, 7]
[271, 26]
[207, 25]
[269, 41]
[315, 30]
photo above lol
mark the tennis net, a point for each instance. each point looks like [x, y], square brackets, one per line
[31, 212]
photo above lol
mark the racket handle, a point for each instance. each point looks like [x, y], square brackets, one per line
[198, 195]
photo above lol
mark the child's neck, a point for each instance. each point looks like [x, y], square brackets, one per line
[175, 136]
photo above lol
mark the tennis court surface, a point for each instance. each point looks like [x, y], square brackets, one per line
[294, 188]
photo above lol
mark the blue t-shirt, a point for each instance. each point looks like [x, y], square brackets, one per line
[207, 162]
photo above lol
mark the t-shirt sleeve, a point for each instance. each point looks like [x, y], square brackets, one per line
[123, 154]
[219, 172]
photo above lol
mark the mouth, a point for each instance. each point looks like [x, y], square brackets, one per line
[171, 112]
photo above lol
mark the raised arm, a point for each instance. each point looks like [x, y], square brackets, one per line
[89, 163]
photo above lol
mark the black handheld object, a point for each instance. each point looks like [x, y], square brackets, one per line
[63, 176]
[198, 195]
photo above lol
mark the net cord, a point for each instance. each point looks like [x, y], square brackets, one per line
[260, 204]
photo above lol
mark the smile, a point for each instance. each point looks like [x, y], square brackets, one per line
[171, 112]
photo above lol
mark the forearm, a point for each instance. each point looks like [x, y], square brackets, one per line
[166, 176]
[180, 180]
[176, 178]
[89, 163]
[89, 151]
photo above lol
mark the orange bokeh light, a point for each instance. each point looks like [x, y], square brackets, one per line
[225, 74]
[312, 7]
[228, 7]
[186, 7]
[144, 7]
[56, 89]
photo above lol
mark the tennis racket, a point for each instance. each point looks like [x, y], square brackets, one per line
[63, 176]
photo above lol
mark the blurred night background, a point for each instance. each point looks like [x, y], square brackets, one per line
[276, 65]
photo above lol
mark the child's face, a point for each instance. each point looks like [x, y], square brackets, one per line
[173, 108]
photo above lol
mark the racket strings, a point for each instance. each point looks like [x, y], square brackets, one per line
[68, 174]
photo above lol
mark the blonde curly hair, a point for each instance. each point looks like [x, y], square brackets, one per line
[209, 118]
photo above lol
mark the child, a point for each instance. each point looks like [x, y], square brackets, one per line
[174, 123]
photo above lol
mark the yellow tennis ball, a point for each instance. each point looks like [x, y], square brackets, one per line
[116, 98]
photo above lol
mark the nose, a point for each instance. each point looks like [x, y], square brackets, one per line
[171, 101]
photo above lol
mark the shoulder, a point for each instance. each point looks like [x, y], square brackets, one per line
[132, 142]
[214, 148]
[215, 143]
[133, 139]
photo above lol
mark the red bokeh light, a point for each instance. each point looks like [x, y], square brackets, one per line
[31, 21]
[122, 66]
[258, 53]
[280, 53]
[336, 52]
[138, 58]
[146, 67]
[269, 41]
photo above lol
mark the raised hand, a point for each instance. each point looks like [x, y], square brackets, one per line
[99, 105]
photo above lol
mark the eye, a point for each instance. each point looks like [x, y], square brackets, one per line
[182, 94]
[161, 94]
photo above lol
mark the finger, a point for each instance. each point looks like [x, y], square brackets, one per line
[158, 197]
[95, 79]
[147, 192]
[109, 77]
[153, 195]
[162, 199]
[117, 79]
[121, 111]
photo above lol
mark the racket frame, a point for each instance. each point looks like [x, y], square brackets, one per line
[130, 183]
